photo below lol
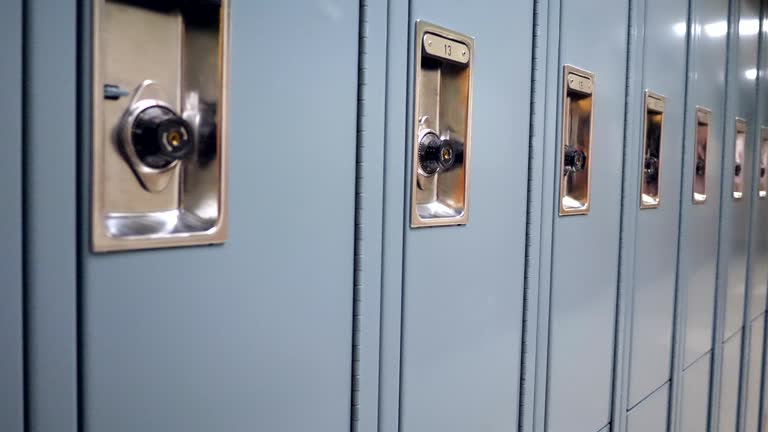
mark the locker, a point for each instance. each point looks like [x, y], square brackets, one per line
[650, 414]
[11, 333]
[584, 59]
[739, 142]
[737, 196]
[729, 383]
[200, 338]
[49, 196]
[758, 270]
[491, 216]
[700, 201]
[651, 234]
[695, 396]
[753, 398]
[461, 278]
[698, 238]
[755, 375]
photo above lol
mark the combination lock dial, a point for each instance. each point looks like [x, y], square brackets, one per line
[160, 137]
[700, 167]
[574, 160]
[437, 155]
[737, 170]
[651, 168]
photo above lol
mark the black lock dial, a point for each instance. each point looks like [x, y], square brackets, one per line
[737, 170]
[574, 160]
[700, 167]
[160, 137]
[651, 168]
[437, 155]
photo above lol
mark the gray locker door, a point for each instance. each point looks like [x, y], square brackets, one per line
[735, 212]
[755, 375]
[255, 334]
[11, 356]
[650, 415]
[695, 396]
[656, 234]
[758, 254]
[737, 196]
[50, 214]
[585, 248]
[462, 286]
[729, 383]
[700, 221]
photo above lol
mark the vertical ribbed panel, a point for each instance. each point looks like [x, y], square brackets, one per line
[531, 255]
[359, 220]
[369, 201]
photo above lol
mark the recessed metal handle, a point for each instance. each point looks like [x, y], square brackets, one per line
[703, 120]
[576, 144]
[159, 156]
[739, 146]
[762, 189]
[650, 173]
[442, 120]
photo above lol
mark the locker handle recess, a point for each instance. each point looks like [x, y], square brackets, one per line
[159, 123]
[653, 123]
[703, 120]
[763, 185]
[576, 145]
[739, 145]
[441, 124]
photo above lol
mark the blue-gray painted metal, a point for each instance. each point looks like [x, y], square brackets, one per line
[650, 414]
[727, 410]
[11, 324]
[652, 239]
[728, 400]
[757, 268]
[368, 214]
[742, 97]
[584, 262]
[463, 286]
[395, 211]
[255, 334]
[699, 222]
[50, 197]
[633, 121]
[758, 248]
[695, 396]
[544, 91]
[755, 376]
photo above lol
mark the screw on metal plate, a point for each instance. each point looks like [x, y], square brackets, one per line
[114, 92]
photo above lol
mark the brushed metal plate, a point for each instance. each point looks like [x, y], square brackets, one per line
[762, 190]
[441, 127]
[147, 54]
[653, 137]
[576, 141]
[703, 121]
[739, 154]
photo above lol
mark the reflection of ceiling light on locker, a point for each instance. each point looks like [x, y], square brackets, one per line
[159, 123]
[716, 29]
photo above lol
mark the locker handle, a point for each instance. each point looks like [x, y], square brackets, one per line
[576, 144]
[763, 183]
[739, 145]
[700, 148]
[650, 173]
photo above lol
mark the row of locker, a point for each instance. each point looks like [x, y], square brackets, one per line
[610, 272]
